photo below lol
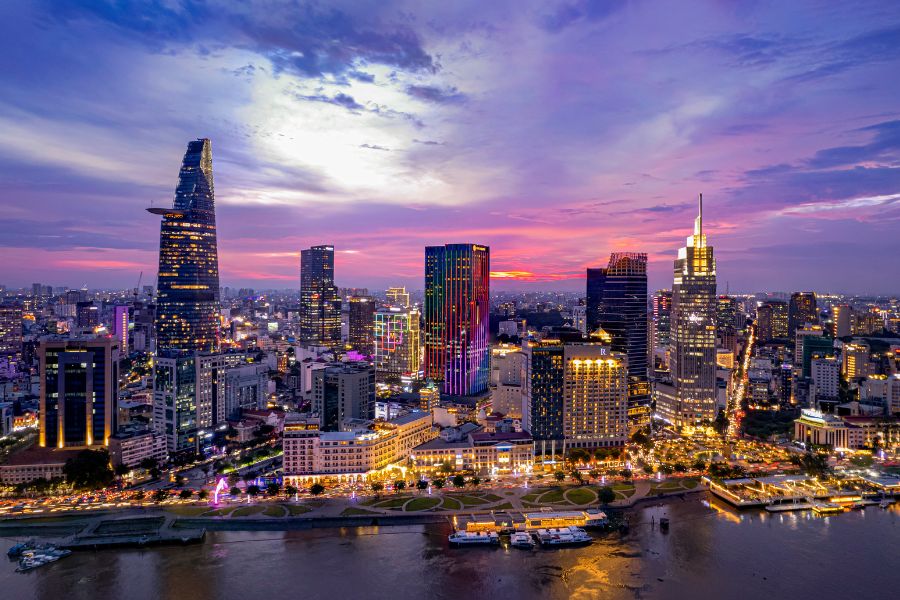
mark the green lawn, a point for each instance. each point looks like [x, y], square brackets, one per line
[246, 511]
[552, 497]
[296, 509]
[491, 497]
[532, 497]
[274, 510]
[690, 483]
[471, 500]
[422, 504]
[581, 496]
[451, 503]
[393, 502]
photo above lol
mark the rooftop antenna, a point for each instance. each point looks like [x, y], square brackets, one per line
[701, 214]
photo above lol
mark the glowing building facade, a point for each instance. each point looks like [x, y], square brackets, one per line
[457, 304]
[397, 343]
[595, 393]
[771, 321]
[361, 324]
[693, 332]
[187, 302]
[79, 391]
[320, 303]
[802, 310]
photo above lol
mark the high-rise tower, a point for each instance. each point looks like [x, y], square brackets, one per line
[320, 304]
[187, 305]
[693, 330]
[457, 304]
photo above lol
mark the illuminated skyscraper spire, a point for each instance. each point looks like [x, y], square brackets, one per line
[187, 309]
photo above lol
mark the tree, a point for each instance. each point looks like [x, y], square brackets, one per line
[421, 485]
[400, 485]
[316, 489]
[233, 478]
[438, 482]
[253, 490]
[273, 489]
[235, 491]
[594, 474]
[458, 481]
[559, 475]
[626, 473]
[185, 494]
[160, 495]
[155, 473]
[202, 495]
[377, 487]
[577, 476]
[148, 463]
[89, 469]
[122, 470]
[475, 481]
[290, 490]
[606, 495]
[699, 465]
[179, 480]
[445, 467]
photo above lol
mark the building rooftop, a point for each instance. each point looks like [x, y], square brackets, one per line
[41, 456]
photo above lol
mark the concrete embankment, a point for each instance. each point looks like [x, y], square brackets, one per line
[297, 523]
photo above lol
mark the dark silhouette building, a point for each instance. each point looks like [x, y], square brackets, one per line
[320, 304]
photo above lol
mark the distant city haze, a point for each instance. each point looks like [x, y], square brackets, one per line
[555, 133]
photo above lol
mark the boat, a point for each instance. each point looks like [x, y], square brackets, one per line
[564, 536]
[827, 508]
[470, 538]
[520, 539]
[885, 503]
[17, 550]
[858, 505]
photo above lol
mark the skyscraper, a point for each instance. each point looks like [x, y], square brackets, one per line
[617, 302]
[693, 334]
[802, 310]
[457, 304]
[596, 397]
[10, 330]
[187, 305]
[660, 318]
[119, 326]
[320, 303]
[361, 324]
[397, 296]
[79, 391]
[771, 321]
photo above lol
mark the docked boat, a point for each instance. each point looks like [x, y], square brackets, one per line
[32, 559]
[474, 538]
[885, 503]
[521, 539]
[564, 536]
[17, 550]
[827, 508]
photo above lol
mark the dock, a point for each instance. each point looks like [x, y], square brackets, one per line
[132, 532]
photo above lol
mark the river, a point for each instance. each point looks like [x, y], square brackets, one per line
[708, 552]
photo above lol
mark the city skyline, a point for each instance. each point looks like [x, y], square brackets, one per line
[397, 133]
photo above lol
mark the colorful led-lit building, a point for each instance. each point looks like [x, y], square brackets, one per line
[397, 343]
[120, 323]
[693, 333]
[79, 391]
[456, 311]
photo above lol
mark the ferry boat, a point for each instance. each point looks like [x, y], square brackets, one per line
[520, 539]
[827, 508]
[566, 518]
[32, 559]
[470, 538]
[564, 536]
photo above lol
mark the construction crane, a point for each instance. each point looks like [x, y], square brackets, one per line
[137, 290]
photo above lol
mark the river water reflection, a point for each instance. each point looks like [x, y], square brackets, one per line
[709, 552]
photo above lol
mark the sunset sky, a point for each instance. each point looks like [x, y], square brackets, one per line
[554, 132]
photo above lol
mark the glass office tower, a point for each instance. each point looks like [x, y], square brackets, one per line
[320, 303]
[187, 305]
